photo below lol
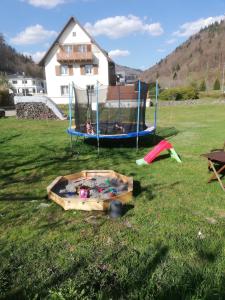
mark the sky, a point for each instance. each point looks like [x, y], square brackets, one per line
[135, 33]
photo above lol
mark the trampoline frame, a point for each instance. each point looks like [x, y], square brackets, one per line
[135, 134]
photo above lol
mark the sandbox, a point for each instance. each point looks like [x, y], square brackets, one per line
[90, 190]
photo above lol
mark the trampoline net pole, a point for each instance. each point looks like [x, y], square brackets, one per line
[156, 103]
[70, 105]
[97, 115]
[138, 113]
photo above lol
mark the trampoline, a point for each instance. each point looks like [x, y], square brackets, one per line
[112, 112]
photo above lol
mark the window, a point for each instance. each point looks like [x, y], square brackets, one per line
[74, 33]
[88, 69]
[90, 89]
[33, 82]
[33, 90]
[82, 48]
[63, 69]
[14, 82]
[24, 81]
[68, 49]
[64, 90]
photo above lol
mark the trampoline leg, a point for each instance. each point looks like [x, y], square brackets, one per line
[71, 143]
[137, 143]
[98, 146]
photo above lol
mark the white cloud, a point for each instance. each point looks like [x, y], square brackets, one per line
[37, 56]
[33, 35]
[161, 50]
[171, 41]
[118, 53]
[120, 26]
[45, 3]
[153, 29]
[190, 28]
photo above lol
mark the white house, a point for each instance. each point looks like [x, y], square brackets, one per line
[27, 85]
[75, 57]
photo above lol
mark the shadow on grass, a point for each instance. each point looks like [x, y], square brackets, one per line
[98, 275]
[94, 276]
[20, 197]
[46, 161]
[7, 139]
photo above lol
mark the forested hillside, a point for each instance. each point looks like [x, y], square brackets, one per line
[199, 60]
[12, 62]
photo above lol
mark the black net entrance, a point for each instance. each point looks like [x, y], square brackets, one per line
[111, 110]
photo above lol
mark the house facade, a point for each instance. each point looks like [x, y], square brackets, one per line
[75, 57]
[25, 85]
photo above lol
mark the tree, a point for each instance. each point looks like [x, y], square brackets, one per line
[4, 83]
[175, 76]
[202, 86]
[216, 85]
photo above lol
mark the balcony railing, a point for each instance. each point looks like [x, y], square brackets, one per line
[62, 56]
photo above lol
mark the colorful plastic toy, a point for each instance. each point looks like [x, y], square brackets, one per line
[162, 146]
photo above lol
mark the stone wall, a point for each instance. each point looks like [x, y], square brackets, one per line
[34, 110]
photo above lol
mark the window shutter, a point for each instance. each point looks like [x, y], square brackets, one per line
[57, 70]
[95, 70]
[89, 48]
[82, 70]
[70, 70]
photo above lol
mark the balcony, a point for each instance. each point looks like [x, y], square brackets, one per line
[72, 57]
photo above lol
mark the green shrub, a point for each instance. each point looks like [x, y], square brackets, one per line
[216, 85]
[202, 86]
[179, 93]
[5, 98]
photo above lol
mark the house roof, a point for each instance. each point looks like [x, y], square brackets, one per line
[74, 20]
[23, 77]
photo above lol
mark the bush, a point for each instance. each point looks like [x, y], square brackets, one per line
[180, 93]
[216, 85]
[202, 86]
[5, 98]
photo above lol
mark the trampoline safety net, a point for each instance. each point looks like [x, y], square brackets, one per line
[112, 109]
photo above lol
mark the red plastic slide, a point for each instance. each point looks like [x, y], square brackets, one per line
[163, 145]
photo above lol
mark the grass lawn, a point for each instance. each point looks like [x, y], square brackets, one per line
[152, 252]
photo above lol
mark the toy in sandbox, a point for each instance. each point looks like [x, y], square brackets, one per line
[90, 190]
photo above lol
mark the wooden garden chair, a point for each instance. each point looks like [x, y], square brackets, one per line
[216, 163]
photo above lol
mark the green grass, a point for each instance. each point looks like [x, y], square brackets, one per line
[152, 252]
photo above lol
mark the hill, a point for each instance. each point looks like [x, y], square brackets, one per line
[128, 70]
[12, 62]
[201, 57]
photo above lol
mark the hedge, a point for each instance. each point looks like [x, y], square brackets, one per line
[5, 98]
[179, 93]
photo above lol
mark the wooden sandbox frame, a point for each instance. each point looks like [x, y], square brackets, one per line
[90, 203]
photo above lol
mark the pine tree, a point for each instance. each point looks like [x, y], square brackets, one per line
[202, 86]
[216, 85]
